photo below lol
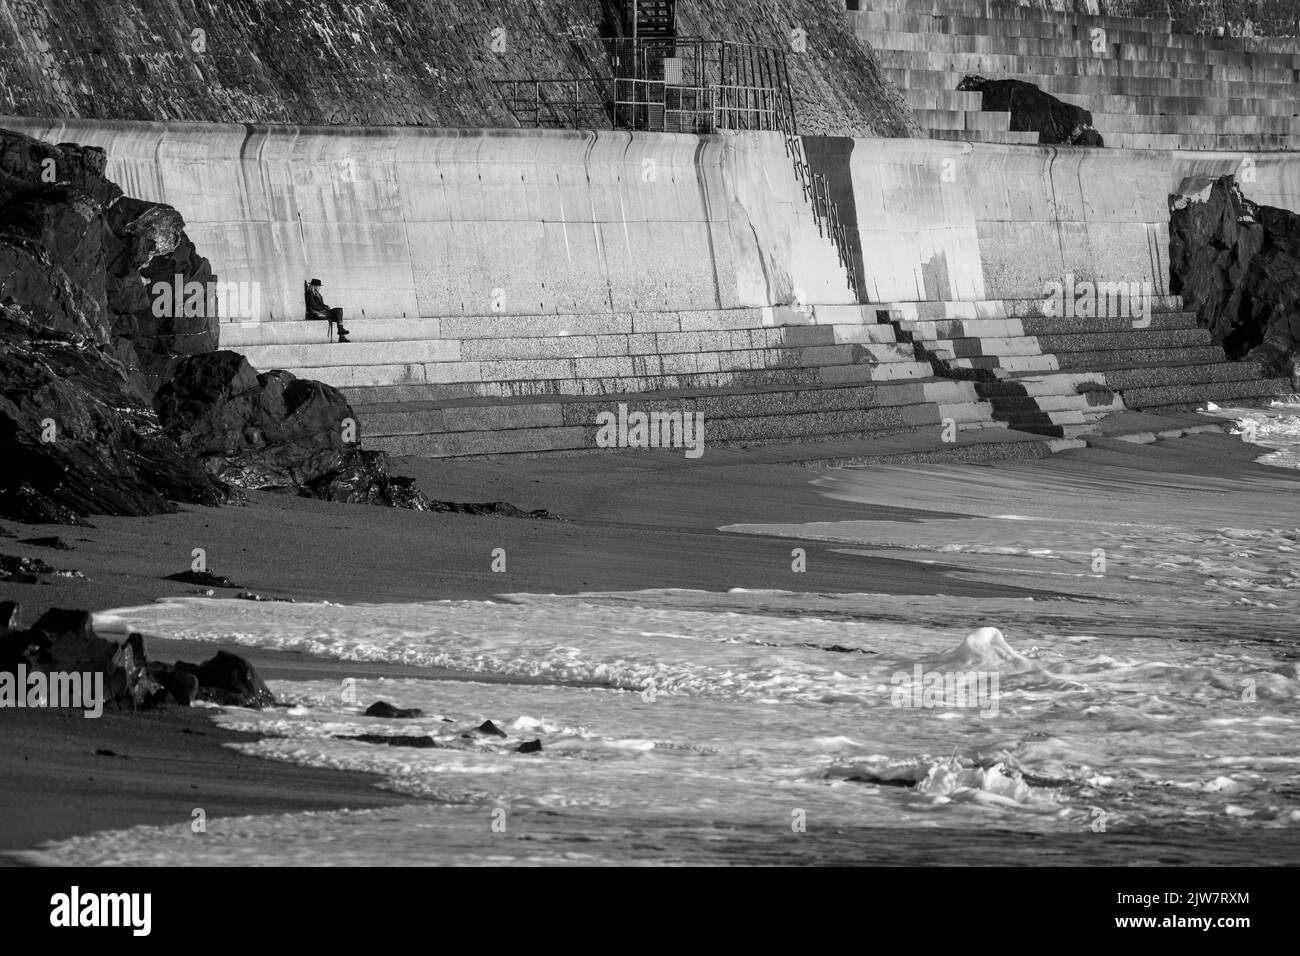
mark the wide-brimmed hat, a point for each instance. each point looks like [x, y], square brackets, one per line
[314, 282]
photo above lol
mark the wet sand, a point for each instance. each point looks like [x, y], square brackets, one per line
[631, 522]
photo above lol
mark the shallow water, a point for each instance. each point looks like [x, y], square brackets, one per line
[1154, 687]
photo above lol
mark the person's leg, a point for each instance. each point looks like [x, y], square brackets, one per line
[336, 316]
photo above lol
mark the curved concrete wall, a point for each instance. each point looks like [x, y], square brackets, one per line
[963, 221]
[406, 223]
[424, 223]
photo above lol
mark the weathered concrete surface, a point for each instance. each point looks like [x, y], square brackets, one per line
[405, 223]
[963, 221]
[408, 224]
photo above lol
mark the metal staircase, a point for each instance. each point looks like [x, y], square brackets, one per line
[652, 19]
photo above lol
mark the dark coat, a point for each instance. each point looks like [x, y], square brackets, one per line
[316, 307]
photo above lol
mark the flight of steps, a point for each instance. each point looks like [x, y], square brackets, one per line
[1151, 89]
[1058, 376]
[498, 384]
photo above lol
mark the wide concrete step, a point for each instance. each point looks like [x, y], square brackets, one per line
[832, 363]
[1124, 340]
[352, 355]
[495, 326]
[1253, 390]
[1140, 358]
[1125, 378]
[471, 384]
[738, 400]
[1048, 326]
[1000, 346]
[477, 427]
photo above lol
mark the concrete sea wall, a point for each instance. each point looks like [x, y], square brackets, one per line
[411, 223]
[407, 223]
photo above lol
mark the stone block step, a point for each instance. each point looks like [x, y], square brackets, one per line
[1152, 338]
[1048, 327]
[365, 329]
[1124, 379]
[1140, 358]
[839, 334]
[1256, 390]
[738, 401]
[1001, 347]
[354, 354]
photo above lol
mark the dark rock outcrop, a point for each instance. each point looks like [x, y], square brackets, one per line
[21, 570]
[397, 740]
[1032, 110]
[77, 433]
[204, 579]
[112, 400]
[65, 641]
[275, 431]
[229, 679]
[499, 509]
[491, 729]
[78, 438]
[1237, 264]
[382, 708]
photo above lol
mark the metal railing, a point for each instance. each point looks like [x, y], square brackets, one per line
[574, 103]
[686, 85]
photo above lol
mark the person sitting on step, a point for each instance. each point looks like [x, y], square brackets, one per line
[317, 308]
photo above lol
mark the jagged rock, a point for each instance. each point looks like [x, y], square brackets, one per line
[77, 439]
[10, 615]
[491, 729]
[65, 641]
[363, 478]
[204, 579]
[399, 740]
[76, 431]
[1032, 110]
[30, 570]
[150, 247]
[499, 509]
[529, 747]
[381, 708]
[182, 685]
[112, 400]
[81, 258]
[275, 431]
[229, 679]
[1237, 264]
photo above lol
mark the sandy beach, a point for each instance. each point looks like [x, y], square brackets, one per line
[630, 522]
